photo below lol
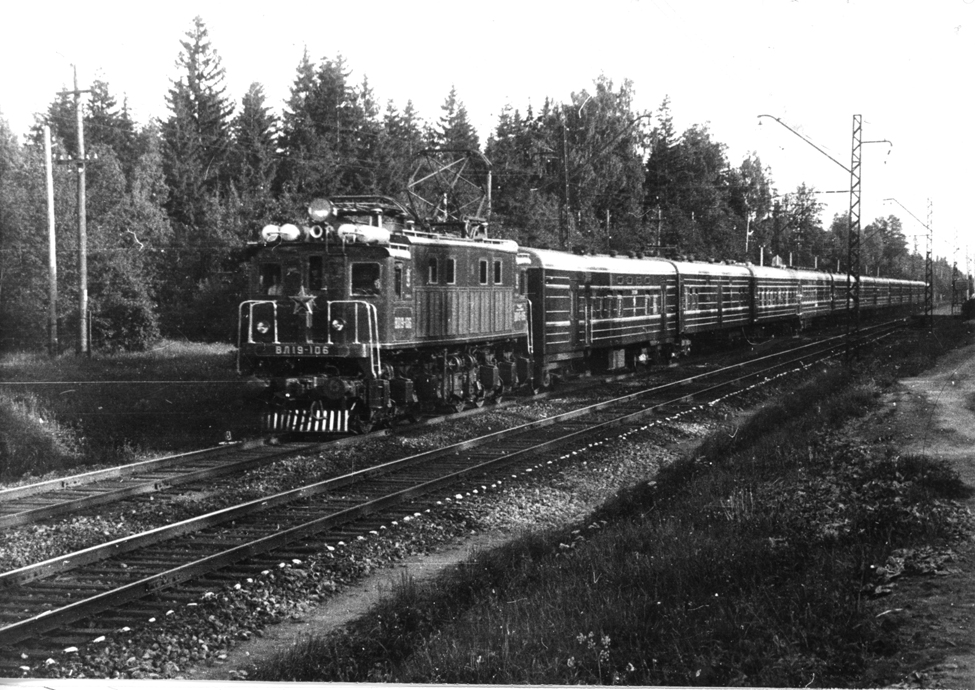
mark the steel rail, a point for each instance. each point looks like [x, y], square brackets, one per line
[120, 471]
[108, 496]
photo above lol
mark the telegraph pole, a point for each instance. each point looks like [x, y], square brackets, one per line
[82, 228]
[564, 229]
[929, 271]
[52, 254]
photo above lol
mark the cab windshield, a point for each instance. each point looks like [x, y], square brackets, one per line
[365, 279]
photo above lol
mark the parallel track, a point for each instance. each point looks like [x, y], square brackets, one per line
[46, 596]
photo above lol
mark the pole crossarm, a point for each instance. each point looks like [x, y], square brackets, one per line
[805, 140]
[923, 224]
[928, 258]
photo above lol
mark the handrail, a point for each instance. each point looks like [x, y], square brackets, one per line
[250, 304]
[372, 326]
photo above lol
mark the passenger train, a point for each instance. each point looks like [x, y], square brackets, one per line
[362, 315]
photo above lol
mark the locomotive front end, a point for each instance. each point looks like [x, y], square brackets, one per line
[316, 317]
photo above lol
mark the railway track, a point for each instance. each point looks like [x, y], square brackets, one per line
[51, 595]
[58, 498]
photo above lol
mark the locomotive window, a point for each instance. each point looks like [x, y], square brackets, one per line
[497, 272]
[398, 279]
[365, 279]
[316, 277]
[449, 273]
[522, 283]
[269, 279]
[432, 272]
[482, 274]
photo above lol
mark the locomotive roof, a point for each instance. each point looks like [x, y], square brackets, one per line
[431, 240]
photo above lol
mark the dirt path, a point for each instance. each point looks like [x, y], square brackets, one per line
[933, 415]
[343, 608]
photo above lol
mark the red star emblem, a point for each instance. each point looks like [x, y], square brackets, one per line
[303, 301]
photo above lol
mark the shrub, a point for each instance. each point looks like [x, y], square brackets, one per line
[31, 439]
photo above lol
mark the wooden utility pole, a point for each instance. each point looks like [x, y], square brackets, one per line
[82, 228]
[79, 161]
[52, 255]
[564, 229]
[929, 270]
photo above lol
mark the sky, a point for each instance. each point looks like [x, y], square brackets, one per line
[904, 66]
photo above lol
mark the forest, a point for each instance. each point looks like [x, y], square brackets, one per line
[171, 203]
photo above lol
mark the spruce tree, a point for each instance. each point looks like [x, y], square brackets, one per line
[254, 161]
[196, 147]
[197, 133]
[454, 130]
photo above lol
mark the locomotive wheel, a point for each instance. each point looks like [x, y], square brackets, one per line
[361, 426]
[497, 396]
[357, 423]
[406, 415]
[457, 403]
[542, 383]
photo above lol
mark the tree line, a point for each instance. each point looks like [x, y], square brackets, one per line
[171, 203]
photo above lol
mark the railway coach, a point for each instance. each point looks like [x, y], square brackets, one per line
[600, 313]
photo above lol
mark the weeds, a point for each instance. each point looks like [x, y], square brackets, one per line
[31, 436]
[117, 408]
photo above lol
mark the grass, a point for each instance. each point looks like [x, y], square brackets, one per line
[116, 408]
[750, 563]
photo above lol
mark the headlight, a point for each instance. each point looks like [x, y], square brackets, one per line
[262, 327]
[319, 210]
[270, 233]
[338, 324]
[289, 232]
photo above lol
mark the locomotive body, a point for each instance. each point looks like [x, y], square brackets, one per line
[361, 318]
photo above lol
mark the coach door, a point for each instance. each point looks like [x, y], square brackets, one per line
[720, 289]
[577, 315]
[584, 313]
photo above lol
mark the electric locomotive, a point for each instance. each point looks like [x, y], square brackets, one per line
[360, 317]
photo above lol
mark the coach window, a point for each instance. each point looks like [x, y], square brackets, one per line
[482, 271]
[365, 279]
[269, 279]
[316, 277]
[432, 272]
[450, 274]
[497, 273]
